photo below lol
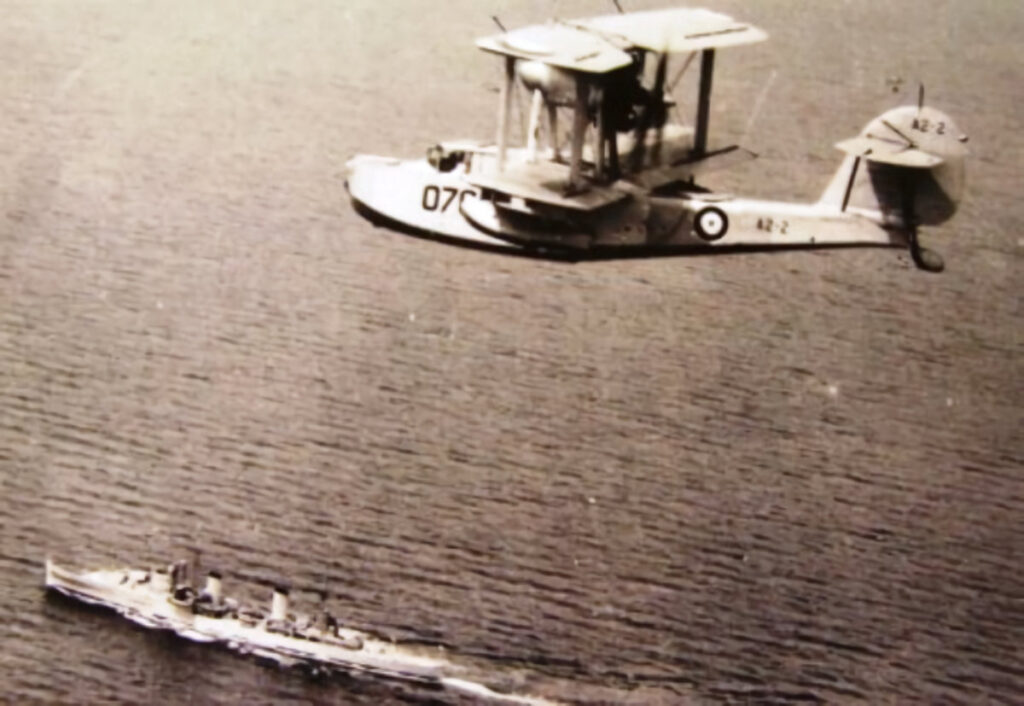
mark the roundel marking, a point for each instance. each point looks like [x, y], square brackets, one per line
[711, 224]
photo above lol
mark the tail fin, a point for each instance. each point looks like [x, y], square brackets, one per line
[838, 193]
[867, 186]
[912, 148]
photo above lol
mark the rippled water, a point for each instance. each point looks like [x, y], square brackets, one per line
[759, 477]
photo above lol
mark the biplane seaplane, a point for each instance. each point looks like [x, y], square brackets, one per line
[624, 177]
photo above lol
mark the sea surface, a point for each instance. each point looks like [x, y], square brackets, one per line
[747, 478]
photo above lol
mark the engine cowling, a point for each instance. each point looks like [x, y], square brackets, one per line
[558, 86]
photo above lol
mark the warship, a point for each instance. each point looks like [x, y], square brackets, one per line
[167, 598]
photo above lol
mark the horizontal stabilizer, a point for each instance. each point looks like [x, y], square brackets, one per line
[878, 149]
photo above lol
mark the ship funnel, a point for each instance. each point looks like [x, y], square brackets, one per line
[180, 574]
[161, 579]
[279, 603]
[213, 587]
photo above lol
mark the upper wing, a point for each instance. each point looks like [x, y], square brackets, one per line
[675, 30]
[597, 44]
[559, 45]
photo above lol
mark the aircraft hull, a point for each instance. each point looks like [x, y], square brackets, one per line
[414, 196]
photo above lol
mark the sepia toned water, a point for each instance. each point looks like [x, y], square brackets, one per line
[768, 478]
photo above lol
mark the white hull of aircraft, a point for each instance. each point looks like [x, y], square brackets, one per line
[412, 195]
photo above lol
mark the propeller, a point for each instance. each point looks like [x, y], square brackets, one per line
[653, 113]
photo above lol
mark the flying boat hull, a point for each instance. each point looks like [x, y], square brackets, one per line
[414, 196]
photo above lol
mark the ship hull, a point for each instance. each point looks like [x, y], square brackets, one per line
[146, 598]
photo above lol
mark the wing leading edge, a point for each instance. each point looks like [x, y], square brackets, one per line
[560, 45]
[676, 30]
[599, 45]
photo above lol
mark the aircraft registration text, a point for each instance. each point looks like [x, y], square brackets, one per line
[771, 225]
[440, 198]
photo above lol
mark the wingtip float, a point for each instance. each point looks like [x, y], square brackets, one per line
[625, 178]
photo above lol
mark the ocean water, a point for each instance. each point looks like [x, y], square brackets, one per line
[771, 478]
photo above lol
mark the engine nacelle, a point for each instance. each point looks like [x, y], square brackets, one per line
[558, 86]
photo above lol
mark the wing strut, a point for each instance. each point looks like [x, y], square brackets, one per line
[707, 71]
[504, 109]
[600, 134]
[556, 149]
[849, 184]
[579, 133]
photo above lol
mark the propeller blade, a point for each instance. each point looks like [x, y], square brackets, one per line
[636, 157]
[920, 98]
[658, 92]
[653, 113]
